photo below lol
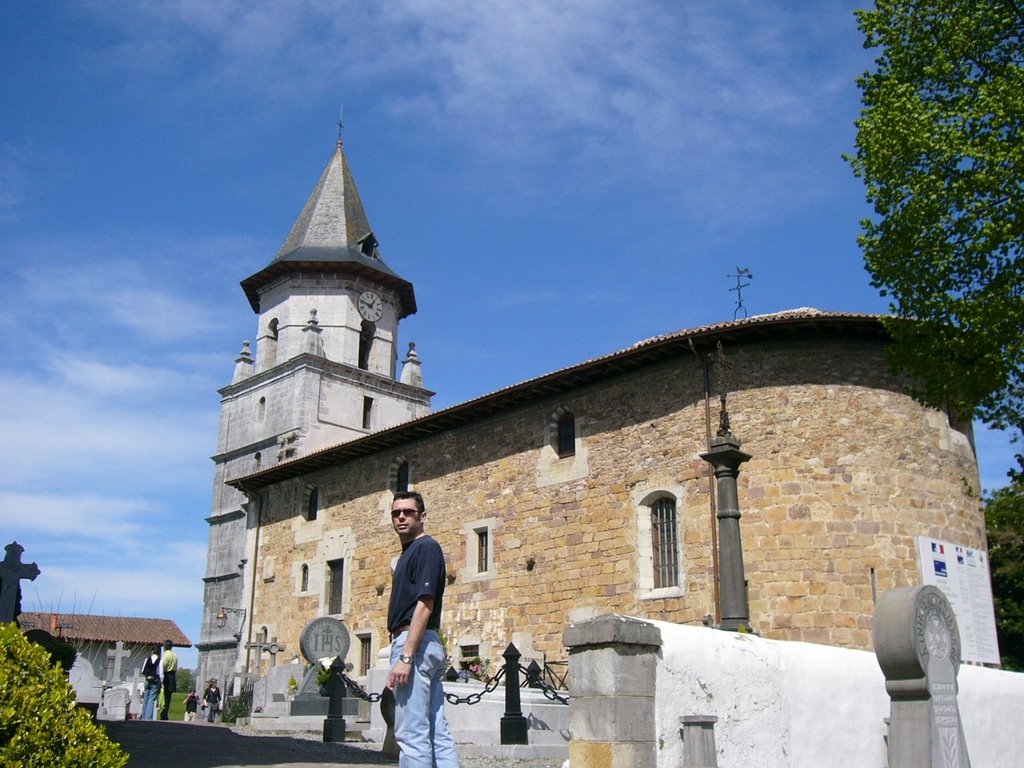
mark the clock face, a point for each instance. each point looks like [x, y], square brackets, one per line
[370, 306]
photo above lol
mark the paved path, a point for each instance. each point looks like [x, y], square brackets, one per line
[170, 744]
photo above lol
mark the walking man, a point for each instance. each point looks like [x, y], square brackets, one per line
[417, 657]
[169, 665]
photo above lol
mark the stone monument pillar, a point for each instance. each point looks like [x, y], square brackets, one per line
[613, 662]
[725, 456]
[917, 643]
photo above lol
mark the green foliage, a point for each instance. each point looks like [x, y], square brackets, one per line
[234, 708]
[64, 654]
[1004, 521]
[185, 680]
[940, 146]
[40, 724]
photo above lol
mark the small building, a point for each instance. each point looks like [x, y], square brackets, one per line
[96, 639]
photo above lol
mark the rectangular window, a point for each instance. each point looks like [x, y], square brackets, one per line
[364, 654]
[482, 540]
[367, 411]
[335, 598]
[665, 543]
[468, 653]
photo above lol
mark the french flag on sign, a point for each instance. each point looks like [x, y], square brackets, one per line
[936, 547]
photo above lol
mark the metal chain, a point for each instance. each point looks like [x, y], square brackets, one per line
[474, 698]
[357, 691]
[535, 681]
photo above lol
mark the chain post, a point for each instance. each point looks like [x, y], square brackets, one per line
[514, 727]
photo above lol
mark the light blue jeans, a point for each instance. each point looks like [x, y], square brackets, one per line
[149, 697]
[421, 729]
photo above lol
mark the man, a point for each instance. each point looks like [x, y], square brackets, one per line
[417, 657]
[151, 671]
[169, 665]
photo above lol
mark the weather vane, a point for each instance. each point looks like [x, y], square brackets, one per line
[341, 121]
[741, 272]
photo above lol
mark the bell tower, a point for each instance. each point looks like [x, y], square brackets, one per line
[324, 372]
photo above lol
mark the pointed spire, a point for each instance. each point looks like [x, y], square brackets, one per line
[412, 370]
[243, 364]
[333, 217]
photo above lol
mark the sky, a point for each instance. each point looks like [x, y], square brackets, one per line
[558, 180]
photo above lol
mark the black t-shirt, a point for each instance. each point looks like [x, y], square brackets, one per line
[420, 571]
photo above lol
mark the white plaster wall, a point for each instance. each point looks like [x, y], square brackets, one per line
[791, 705]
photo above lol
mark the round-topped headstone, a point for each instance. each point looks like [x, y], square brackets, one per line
[324, 637]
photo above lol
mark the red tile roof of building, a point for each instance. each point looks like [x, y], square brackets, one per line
[83, 626]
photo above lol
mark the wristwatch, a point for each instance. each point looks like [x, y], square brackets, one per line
[405, 659]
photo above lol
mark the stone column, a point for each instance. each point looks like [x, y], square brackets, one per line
[725, 456]
[612, 670]
[917, 644]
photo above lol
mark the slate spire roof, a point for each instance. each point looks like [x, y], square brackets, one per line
[332, 234]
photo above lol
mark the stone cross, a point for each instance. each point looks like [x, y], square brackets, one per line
[117, 655]
[135, 704]
[12, 571]
[917, 643]
[273, 649]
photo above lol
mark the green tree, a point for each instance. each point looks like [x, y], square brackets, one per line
[185, 680]
[40, 726]
[1004, 522]
[940, 146]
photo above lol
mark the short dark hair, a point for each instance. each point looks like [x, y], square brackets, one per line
[420, 506]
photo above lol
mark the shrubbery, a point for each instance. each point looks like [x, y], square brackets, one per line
[40, 724]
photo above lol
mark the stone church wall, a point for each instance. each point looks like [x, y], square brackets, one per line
[846, 471]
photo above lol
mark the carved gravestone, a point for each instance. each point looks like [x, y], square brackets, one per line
[917, 644]
[322, 638]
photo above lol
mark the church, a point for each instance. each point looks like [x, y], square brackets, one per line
[570, 495]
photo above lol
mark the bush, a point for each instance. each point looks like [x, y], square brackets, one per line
[40, 724]
[234, 708]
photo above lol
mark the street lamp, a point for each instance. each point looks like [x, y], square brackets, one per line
[222, 617]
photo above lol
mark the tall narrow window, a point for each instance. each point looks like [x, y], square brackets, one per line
[257, 459]
[364, 654]
[365, 344]
[566, 436]
[304, 579]
[367, 412]
[271, 341]
[403, 477]
[335, 600]
[665, 543]
[313, 507]
[261, 409]
[482, 540]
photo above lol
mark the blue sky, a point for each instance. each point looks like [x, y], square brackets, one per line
[558, 179]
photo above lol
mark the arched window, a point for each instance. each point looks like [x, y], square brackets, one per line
[665, 543]
[304, 578]
[399, 475]
[257, 459]
[271, 341]
[261, 410]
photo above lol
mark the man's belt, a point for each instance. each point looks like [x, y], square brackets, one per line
[399, 631]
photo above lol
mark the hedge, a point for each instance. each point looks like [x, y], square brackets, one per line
[40, 724]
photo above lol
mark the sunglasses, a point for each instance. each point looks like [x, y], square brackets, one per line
[397, 513]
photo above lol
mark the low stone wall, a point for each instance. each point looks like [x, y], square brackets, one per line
[789, 704]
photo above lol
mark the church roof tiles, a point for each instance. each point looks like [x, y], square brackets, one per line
[89, 627]
[792, 322]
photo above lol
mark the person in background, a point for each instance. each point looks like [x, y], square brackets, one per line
[211, 700]
[169, 667]
[151, 672]
[191, 705]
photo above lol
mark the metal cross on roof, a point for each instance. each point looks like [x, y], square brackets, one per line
[741, 272]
